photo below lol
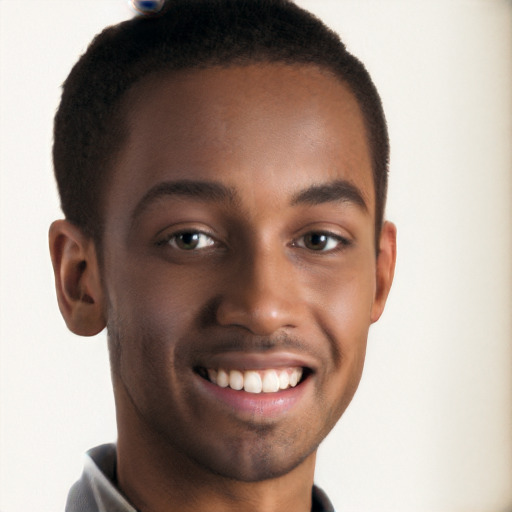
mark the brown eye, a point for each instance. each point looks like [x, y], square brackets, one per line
[322, 242]
[190, 241]
[316, 241]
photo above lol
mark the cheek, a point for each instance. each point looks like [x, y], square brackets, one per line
[149, 311]
[345, 318]
[156, 293]
[343, 312]
[345, 296]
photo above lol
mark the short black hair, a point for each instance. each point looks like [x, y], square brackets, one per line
[187, 34]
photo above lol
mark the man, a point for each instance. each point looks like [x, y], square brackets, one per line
[222, 167]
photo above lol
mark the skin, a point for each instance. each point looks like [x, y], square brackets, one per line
[268, 167]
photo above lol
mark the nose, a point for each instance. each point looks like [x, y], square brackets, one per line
[260, 295]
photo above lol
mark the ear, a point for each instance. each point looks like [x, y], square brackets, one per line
[77, 279]
[386, 259]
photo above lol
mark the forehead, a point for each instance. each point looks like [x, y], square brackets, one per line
[267, 125]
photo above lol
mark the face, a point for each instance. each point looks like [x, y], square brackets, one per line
[239, 264]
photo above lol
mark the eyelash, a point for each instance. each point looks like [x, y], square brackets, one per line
[171, 239]
[340, 242]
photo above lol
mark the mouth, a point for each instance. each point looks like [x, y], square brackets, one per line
[271, 380]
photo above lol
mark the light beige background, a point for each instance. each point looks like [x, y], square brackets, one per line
[430, 429]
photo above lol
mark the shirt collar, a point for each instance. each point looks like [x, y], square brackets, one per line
[96, 490]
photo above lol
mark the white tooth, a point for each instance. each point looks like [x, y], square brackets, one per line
[212, 375]
[284, 380]
[236, 380]
[222, 379]
[295, 377]
[270, 382]
[252, 382]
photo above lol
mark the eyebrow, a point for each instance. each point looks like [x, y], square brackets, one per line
[336, 191]
[209, 191]
[201, 190]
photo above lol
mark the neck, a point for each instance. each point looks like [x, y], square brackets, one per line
[155, 477]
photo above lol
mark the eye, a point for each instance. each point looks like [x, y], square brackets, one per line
[322, 242]
[188, 240]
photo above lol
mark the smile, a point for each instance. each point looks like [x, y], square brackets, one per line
[255, 381]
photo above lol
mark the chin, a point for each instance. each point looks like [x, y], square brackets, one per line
[266, 456]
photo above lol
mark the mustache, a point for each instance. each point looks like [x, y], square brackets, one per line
[247, 342]
[256, 343]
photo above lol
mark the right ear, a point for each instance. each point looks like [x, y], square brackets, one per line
[77, 279]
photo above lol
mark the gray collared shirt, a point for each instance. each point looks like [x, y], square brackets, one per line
[96, 490]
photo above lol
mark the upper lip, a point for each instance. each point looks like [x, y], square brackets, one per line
[257, 360]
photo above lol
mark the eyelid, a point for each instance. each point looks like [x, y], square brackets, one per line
[342, 241]
[173, 234]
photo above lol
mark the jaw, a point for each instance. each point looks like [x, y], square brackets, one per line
[245, 449]
[237, 435]
[152, 472]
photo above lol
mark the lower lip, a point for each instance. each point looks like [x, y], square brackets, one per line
[256, 404]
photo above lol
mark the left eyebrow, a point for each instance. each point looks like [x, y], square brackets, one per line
[336, 191]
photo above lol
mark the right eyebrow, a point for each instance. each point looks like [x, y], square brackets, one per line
[201, 190]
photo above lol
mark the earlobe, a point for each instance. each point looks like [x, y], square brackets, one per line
[77, 278]
[386, 259]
